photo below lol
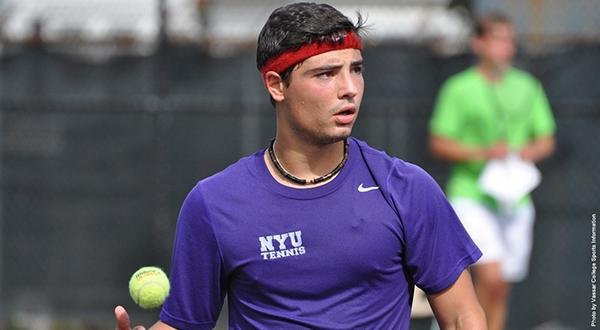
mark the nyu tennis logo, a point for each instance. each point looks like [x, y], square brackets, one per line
[282, 245]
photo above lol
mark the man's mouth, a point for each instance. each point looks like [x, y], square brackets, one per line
[345, 115]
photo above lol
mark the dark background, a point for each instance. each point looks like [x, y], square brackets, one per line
[96, 160]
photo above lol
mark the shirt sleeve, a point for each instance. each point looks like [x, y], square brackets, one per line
[197, 281]
[542, 120]
[436, 246]
[446, 120]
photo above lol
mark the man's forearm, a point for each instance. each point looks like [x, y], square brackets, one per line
[451, 151]
[538, 149]
[474, 321]
[457, 307]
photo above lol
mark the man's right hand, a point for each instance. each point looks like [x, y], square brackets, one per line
[123, 320]
[498, 151]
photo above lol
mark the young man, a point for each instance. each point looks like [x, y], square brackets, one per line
[318, 230]
[483, 113]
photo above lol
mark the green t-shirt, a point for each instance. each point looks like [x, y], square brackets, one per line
[477, 113]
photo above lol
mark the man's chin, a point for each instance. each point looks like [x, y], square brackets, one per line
[334, 138]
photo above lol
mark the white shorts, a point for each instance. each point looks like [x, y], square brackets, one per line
[504, 238]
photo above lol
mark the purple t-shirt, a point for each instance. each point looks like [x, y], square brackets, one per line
[343, 255]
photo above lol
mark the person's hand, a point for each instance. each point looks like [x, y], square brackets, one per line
[123, 320]
[498, 151]
[527, 153]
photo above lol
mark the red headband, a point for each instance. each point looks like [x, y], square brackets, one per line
[291, 57]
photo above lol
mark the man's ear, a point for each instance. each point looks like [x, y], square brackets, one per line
[275, 86]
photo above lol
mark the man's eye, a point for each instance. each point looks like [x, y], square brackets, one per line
[326, 74]
[357, 69]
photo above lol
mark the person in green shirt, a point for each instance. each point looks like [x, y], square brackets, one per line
[482, 113]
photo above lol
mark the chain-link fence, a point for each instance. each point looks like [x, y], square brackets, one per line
[97, 157]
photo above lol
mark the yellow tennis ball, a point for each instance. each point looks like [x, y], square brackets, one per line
[149, 287]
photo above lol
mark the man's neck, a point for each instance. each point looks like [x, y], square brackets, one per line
[304, 160]
[492, 72]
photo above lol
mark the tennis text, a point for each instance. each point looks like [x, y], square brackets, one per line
[281, 245]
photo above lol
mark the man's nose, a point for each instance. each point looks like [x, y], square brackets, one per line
[348, 85]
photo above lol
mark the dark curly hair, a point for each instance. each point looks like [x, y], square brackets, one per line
[292, 26]
[484, 23]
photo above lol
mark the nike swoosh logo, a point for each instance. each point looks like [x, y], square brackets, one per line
[362, 188]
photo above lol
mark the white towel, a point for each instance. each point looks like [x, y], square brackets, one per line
[509, 179]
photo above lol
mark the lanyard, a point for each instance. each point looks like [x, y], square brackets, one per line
[503, 113]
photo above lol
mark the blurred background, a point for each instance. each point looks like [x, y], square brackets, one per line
[111, 111]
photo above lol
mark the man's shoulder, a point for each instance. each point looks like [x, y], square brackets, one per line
[382, 163]
[234, 175]
[464, 76]
[370, 154]
[463, 81]
[523, 76]
[401, 181]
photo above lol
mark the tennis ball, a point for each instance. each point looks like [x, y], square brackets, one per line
[149, 287]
